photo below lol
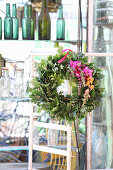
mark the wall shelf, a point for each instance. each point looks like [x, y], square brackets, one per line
[74, 42]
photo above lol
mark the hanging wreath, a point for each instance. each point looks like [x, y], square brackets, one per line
[71, 72]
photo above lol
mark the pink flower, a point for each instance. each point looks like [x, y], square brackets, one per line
[86, 94]
[87, 72]
[81, 71]
[75, 64]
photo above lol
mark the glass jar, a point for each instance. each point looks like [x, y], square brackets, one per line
[5, 85]
[19, 83]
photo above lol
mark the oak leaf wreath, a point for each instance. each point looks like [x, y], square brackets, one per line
[84, 82]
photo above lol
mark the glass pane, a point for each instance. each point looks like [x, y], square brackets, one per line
[102, 135]
[102, 122]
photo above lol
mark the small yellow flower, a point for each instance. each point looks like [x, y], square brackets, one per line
[87, 83]
[89, 80]
[91, 87]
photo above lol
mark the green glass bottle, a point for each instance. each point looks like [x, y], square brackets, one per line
[60, 31]
[44, 23]
[31, 22]
[15, 22]
[26, 26]
[8, 29]
[0, 28]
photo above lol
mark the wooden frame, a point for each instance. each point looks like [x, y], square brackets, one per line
[46, 148]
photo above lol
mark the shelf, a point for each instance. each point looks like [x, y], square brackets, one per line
[74, 42]
[16, 99]
[12, 148]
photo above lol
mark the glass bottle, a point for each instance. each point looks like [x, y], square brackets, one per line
[44, 23]
[15, 22]
[19, 83]
[8, 29]
[26, 28]
[5, 85]
[31, 23]
[0, 28]
[60, 24]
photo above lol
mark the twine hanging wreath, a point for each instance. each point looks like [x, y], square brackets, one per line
[84, 82]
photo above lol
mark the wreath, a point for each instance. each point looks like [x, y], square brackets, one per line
[71, 71]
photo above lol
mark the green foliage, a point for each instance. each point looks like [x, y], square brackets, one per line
[44, 92]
